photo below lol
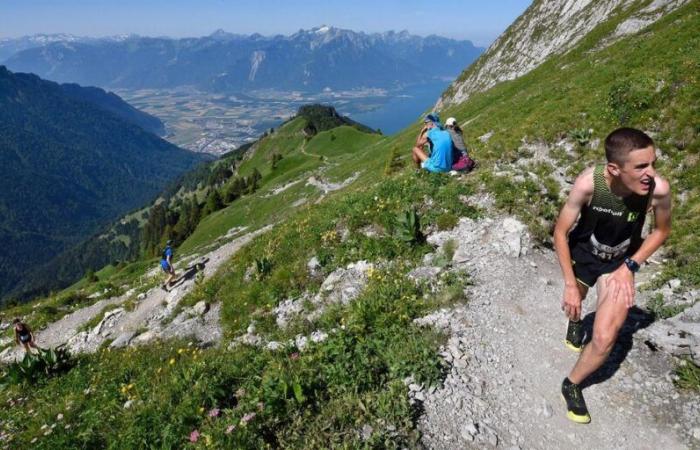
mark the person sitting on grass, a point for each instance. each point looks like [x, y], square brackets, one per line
[440, 143]
[24, 335]
[166, 263]
[461, 161]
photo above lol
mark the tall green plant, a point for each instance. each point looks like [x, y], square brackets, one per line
[408, 227]
[34, 367]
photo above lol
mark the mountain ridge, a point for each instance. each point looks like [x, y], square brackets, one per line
[549, 28]
[307, 59]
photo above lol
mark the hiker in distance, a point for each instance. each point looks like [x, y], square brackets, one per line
[439, 142]
[166, 263]
[606, 248]
[24, 335]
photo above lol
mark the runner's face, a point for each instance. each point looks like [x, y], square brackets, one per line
[637, 173]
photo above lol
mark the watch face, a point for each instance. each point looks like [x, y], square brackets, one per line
[632, 264]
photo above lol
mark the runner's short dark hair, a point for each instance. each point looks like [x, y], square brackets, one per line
[620, 142]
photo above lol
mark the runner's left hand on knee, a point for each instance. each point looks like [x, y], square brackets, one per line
[621, 285]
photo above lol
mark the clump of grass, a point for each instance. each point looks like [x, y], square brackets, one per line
[447, 221]
[656, 306]
[688, 375]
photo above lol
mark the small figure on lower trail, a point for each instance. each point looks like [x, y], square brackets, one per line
[166, 263]
[606, 248]
[24, 335]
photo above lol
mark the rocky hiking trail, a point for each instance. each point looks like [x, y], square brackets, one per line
[507, 361]
[504, 357]
[150, 317]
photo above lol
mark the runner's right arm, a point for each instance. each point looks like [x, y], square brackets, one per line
[579, 196]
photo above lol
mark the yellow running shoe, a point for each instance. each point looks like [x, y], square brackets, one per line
[574, 336]
[575, 404]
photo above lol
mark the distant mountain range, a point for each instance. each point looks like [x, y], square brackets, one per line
[71, 160]
[323, 57]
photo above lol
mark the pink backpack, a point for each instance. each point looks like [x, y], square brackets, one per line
[463, 164]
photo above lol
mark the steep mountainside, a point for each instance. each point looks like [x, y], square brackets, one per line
[68, 166]
[334, 297]
[309, 59]
[551, 28]
[134, 235]
[112, 103]
[539, 130]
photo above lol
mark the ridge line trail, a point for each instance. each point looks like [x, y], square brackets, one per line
[303, 151]
[148, 312]
[505, 390]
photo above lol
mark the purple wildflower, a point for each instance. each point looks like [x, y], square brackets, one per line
[247, 418]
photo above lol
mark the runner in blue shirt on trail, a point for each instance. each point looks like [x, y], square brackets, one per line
[166, 263]
[440, 142]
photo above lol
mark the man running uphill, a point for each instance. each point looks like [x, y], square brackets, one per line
[606, 248]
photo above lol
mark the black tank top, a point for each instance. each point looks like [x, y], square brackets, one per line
[610, 227]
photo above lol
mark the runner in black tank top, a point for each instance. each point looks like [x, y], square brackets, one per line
[605, 248]
[610, 229]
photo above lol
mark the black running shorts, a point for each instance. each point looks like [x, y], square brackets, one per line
[588, 271]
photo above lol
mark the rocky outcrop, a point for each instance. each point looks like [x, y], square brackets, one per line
[546, 28]
[342, 286]
[678, 335]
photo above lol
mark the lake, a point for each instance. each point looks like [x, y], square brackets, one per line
[403, 108]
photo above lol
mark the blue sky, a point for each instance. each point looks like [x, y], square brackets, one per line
[480, 21]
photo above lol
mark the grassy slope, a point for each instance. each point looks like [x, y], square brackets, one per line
[344, 151]
[324, 396]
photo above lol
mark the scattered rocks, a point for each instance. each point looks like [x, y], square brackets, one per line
[366, 432]
[326, 186]
[287, 310]
[200, 308]
[425, 273]
[123, 339]
[484, 138]
[314, 267]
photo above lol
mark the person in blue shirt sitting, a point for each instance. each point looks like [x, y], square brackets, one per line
[440, 142]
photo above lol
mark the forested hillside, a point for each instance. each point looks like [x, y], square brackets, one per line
[67, 167]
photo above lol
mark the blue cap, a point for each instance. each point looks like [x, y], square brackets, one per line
[432, 117]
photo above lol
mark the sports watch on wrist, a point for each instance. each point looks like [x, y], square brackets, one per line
[632, 265]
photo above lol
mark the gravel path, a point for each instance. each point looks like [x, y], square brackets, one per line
[507, 361]
[144, 323]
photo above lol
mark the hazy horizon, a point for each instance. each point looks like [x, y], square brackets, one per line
[463, 20]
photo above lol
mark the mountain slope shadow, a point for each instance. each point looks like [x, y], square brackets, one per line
[637, 319]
